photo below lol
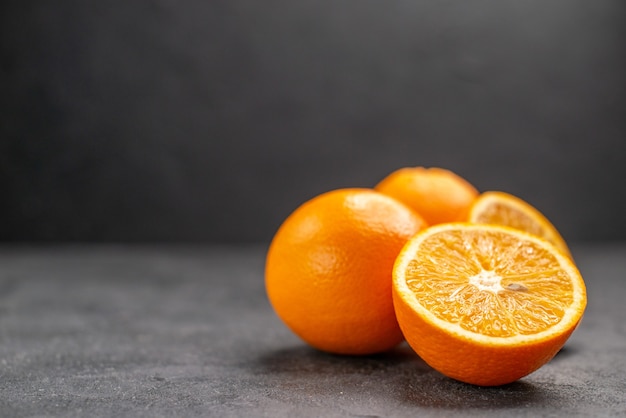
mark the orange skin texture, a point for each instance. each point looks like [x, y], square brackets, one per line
[438, 195]
[468, 361]
[328, 270]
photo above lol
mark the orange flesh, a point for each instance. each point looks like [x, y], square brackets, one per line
[506, 215]
[492, 284]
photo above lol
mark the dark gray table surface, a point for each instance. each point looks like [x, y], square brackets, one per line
[177, 331]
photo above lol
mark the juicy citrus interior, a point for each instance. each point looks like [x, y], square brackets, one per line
[485, 304]
[501, 208]
[516, 287]
[505, 214]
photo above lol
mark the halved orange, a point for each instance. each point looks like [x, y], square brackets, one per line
[501, 208]
[485, 304]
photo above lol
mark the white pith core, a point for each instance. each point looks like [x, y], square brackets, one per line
[487, 280]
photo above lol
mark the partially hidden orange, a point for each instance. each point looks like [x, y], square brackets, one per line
[502, 208]
[485, 304]
[437, 194]
[328, 270]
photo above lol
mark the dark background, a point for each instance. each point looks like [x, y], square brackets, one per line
[210, 121]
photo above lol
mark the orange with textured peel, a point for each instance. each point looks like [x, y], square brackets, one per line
[501, 208]
[438, 195]
[328, 270]
[485, 304]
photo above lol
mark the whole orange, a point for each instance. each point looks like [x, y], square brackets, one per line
[437, 194]
[328, 270]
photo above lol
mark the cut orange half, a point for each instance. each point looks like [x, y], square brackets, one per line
[485, 304]
[501, 208]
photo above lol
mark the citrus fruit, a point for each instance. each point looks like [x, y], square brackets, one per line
[328, 270]
[438, 195]
[505, 209]
[485, 304]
